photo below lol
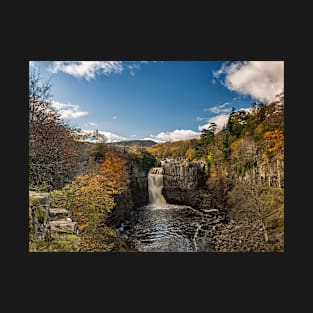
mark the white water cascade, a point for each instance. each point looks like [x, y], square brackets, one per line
[155, 186]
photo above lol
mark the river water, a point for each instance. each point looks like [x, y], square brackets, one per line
[163, 227]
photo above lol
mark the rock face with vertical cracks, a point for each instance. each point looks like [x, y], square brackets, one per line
[136, 194]
[186, 183]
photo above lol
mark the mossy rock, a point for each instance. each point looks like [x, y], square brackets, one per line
[38, 215]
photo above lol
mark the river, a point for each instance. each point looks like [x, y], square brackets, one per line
[163, 227]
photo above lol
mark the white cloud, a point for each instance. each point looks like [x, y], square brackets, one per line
[90, 69]
[133, 136]
[134, 68]
[111, 137]
[220, 120]
[67, 110]
[262, 80]
[199, 119]
[151, 138]
[87, 69]
[222, 108]
[92, 124]
[221, 71]
[114, 117]
[176, 135]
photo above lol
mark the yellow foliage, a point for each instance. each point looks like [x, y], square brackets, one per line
[259, 129]
[171, 149]
[90, 196]
[190, 154]
[237, 143]
[213, 174]
[210, 157]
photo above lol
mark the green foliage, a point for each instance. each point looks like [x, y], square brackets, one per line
[241, 168]
[37, 214]
[200, 149]
[44, 187]
[225, 144]
[208, 134]
[147, 160]
[190, 154]
[63, 243]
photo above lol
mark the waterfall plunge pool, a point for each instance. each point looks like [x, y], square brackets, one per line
[163, 227]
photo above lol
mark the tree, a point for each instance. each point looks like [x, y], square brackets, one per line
[52, 146]
[229, 124]
[236, 122]
[245, 204]
[225, 144]
[100, 148]
[190, 154]
[90, 198]
[273, 144]
[207, 134]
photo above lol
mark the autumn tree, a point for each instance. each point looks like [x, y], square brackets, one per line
[90, 198]
[52, 146]
[273, 144]
[174, 149]
[190, 154]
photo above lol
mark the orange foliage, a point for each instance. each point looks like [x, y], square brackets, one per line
[274, 143]
[113, 171]
[90, 197]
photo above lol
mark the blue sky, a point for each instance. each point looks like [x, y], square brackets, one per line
[161, 100]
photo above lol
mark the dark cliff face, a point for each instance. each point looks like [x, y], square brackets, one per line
[250, 196]
[137, 194]
[186, 183]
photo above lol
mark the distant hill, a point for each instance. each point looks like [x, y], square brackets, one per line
[143, 143]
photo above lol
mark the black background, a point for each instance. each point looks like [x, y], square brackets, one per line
[149, 281]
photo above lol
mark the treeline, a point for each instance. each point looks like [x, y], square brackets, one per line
[174, 149]
[263, 124]
[245, 166]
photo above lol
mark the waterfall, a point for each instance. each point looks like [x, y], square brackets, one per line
[155, 185]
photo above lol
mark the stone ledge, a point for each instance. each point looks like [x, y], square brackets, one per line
[56, 214]
[63, 226]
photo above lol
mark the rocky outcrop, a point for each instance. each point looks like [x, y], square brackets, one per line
[263, 173]
[186, 183]
[44, 220]
[137, 194]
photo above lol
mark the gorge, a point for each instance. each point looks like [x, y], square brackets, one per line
[189, 175]
[163, 227]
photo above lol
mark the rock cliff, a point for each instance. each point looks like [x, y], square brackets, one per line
[186, 183]
[46, 221]
[136, 194]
